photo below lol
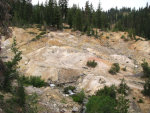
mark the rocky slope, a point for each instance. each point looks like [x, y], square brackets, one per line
[60, 57]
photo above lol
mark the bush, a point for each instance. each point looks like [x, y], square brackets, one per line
[140, 101]
[107, 101]
[101, 104]
[72, 88]
[123, 88]
[92, 64]
[107, 91]
[122, 37]
[38, 36]
[38, 26]
[107, 37]
[79, 97]
[114, 69]
[42, 33]
[34, 81]
[32, 33]
[146, 69]
[146, 90]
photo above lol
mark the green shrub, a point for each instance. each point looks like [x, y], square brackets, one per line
[33, 33]
[123, 88]
[38, 26]
[146, 90]
[36, 38]
[114, 69]
[107, 91]
[134, 98]
[146, 69]
[32, 80]
[106, 100]
[92, 64]
[66, 89]
[42, 33]
[107, 37]
[39, 36]
[122, 37]
[140, 101]
[101, 104]
[126, 39]
[79, 97]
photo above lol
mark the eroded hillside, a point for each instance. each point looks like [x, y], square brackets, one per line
[60, 57]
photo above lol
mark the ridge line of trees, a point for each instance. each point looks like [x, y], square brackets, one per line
[54, 13]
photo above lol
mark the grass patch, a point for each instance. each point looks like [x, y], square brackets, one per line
[92, 64]
[32, 80]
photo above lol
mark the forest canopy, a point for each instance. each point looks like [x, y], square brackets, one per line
[53, 13]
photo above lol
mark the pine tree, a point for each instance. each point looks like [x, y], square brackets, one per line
[63, 4]
[70, 17]
[78, 20]
[58, 18]
[11, 67]
[123, 103]
[98, 17]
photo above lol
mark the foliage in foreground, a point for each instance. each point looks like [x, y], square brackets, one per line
[11, 67]
[115, 68]
[101, 104]
[35, 81]
[107, 100]
[17, 102]
[11, 105]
